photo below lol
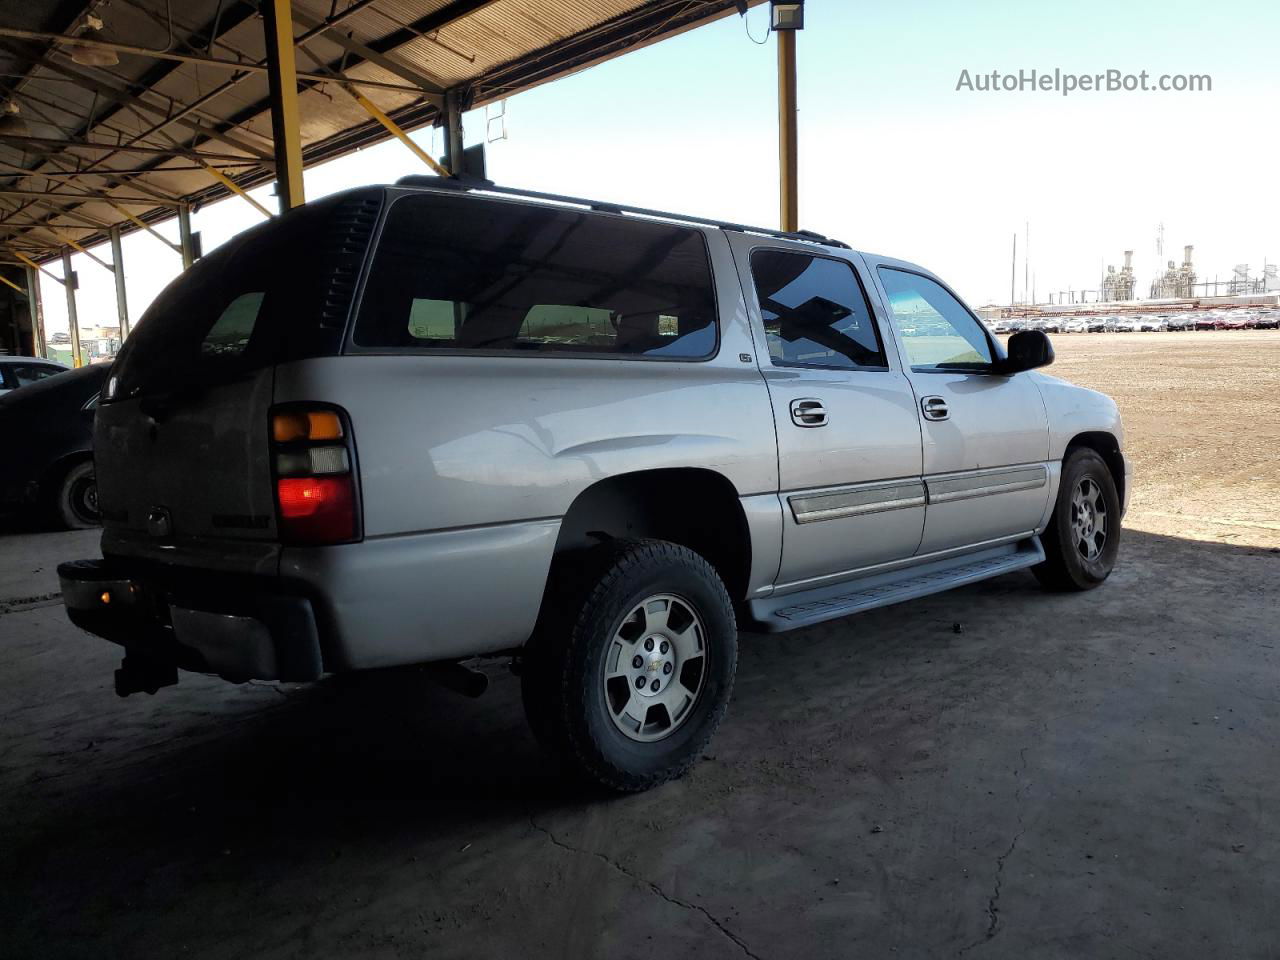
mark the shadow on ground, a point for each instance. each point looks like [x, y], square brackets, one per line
[1067, 775]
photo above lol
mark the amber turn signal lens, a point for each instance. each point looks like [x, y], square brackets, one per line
[324, 425]
[290, 426]
[306, 425]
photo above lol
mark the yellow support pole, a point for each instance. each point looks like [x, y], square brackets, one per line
[394, 129]
[234, 187]
[9, 283]
[789, 193]
[282, 76]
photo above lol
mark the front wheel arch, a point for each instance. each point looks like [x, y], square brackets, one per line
[1107, 447]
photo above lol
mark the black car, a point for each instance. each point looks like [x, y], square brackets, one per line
[46, 433]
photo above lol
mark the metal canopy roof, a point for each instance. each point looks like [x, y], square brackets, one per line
[187, 103]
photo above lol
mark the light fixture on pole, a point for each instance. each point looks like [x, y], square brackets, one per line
[786, 15]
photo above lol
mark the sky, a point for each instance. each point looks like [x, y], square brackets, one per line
[894, 158]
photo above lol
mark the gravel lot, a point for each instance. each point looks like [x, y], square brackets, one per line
[1067, 776]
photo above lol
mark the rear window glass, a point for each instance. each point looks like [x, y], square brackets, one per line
[259, 299]
[231, 332]
[454, 273]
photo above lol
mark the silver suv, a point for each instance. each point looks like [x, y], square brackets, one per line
[423, 423]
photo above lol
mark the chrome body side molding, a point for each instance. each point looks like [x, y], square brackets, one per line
[857, 500]
[981, 483]
[863, 498]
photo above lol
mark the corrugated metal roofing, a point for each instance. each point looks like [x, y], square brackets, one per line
[166, 119]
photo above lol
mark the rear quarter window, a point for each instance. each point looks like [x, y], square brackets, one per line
[272, 294]
[479, 275]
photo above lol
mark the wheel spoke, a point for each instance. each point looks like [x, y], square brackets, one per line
[687, 644]
[675, 698]
[656, 613]
[619, 655]
[637, 707]
[634, 709]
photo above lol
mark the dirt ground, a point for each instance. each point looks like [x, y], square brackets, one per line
[1197, 410]
[995, 771]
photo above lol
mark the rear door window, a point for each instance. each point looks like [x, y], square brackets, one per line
[815, 312]
[472, 274]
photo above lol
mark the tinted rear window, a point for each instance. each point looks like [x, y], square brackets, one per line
[271, 294]
[455, 273]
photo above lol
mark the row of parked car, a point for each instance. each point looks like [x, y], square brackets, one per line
[1235, 319]
[46, 434]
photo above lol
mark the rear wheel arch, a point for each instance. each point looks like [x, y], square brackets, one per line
[1107, 447]
[694, 507]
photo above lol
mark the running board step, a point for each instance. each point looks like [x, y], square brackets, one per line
[795, 610]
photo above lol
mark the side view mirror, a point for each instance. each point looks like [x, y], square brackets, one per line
[1028, 349]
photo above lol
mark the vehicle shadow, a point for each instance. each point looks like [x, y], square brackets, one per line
[268, 807]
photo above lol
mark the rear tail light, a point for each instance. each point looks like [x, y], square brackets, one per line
[315, 488]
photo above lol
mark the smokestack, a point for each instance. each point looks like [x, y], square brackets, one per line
[1186, 254]
[1128, 259]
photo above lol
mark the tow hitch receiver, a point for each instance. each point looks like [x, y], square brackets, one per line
[143, 674]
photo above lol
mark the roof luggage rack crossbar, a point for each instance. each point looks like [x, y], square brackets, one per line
[487, 186]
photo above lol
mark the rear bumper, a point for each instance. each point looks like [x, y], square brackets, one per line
[255, 635]
[384, 602]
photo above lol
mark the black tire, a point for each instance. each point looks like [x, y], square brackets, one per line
[1066, 565]
[563, 670]
[75, 503]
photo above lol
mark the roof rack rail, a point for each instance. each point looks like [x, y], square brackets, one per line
[488, 186]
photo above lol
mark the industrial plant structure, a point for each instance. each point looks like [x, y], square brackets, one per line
[1176, 282]
[1119, 286]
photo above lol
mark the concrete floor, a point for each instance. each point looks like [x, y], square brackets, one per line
[1069, 776]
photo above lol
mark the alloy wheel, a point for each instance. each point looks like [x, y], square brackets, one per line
[654, 668]
[1088, 519]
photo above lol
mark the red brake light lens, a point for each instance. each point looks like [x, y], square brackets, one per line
[317, 509]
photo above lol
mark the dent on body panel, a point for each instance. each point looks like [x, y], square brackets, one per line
[575, 435]
[447, 441]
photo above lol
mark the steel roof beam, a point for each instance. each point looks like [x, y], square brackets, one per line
[183, 57]
[9, 192]
[428, 85]
[135, 102]
[111, 172]
[56, 143]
